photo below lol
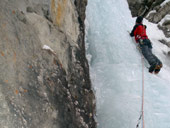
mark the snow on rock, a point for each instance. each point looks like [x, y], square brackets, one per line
[47, 48]
[165, 2]
[166, 18]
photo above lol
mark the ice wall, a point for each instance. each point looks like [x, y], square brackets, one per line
[116, 70]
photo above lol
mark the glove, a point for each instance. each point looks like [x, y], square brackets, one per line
[131, 34]
[145, 26]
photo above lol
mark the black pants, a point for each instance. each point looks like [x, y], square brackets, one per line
[146, 49]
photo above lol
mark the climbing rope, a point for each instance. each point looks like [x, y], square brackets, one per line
[143, 92]
[141, 118]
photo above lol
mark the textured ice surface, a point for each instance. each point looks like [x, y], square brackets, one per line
[116, 69]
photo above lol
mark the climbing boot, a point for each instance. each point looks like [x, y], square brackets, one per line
[158, 68]
[152, 68]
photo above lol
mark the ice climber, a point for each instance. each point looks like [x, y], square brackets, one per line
[139, 31]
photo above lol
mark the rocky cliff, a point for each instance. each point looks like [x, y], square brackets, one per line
[155, 11]
[143, 7]
[44, 79]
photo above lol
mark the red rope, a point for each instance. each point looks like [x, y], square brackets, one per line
[143, 122]
[142, 114]
[141, 118]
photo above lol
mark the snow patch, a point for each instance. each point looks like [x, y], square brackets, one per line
[45, 47]
[153, 11]
[167, 17]
[164, 3]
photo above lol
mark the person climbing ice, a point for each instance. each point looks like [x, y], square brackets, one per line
[139, 32]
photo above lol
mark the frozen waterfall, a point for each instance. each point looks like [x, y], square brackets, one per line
[116, 69]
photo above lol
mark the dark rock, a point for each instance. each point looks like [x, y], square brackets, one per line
[21, 16]
[143, 7]
[165, 42]
[166, 23]
[169, 53]
[161, 13]
[30, 10]
[165, 29]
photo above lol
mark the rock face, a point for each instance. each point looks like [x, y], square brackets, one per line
[159, 13]
[44, 80]
[143, 7]
[155, 11]
[161, 16]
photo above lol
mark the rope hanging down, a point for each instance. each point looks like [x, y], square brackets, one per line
[141, 118]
